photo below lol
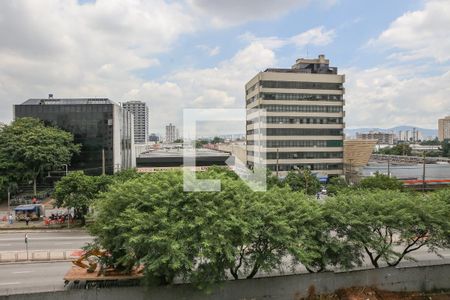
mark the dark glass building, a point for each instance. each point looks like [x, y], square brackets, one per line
[97, 124]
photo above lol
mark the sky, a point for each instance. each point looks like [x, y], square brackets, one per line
[173, 55]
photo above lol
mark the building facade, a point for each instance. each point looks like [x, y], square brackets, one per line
[171, 133]
[444, 129]
[102, 127]
[304, 123]
[381, 137]
[141, 122]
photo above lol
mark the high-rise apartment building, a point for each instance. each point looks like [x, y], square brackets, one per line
[102, 127]
[381, 137]
[304, 126]
[141, 123]
[171, 133]
[444, 129]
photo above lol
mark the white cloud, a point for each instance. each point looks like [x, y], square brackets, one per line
[391, 96]
[211, 51]
[235, 12]
[72, 50]
[420, 34]
[215, 87]
[317, 36]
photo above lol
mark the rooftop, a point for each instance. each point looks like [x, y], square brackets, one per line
[318, 65]
[67, 101]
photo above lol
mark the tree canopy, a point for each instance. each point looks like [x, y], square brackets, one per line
[78, 191]
[29, 147]
[304, 180]
[381, 181]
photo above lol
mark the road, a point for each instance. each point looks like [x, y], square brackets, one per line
[33, 277]
[43, 240]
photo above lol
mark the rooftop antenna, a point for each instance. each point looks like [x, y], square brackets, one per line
[307, 51]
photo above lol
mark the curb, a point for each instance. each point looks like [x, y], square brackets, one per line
[17, 230]
[34, 262]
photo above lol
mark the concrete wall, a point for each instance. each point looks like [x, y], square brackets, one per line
[422, 278]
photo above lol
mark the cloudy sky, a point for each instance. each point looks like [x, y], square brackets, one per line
[200, 53]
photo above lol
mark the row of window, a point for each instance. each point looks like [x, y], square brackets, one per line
[300, 155]
[63, 108]
[301, 108]
[312, 167]
[297, 120]
[300, 85]
[290, 96]
[295, 131]
[291, 143]
[295, 97]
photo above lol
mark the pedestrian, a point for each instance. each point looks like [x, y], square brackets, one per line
[34, 200]
[27, 220]
[10, 219]
[318, 195]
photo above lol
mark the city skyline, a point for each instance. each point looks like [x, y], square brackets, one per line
[395, 59]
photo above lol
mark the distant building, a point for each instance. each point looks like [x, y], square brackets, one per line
[304, 127]
[444, 129]
[153, 138]
[381, 137]
[140, 112]
[171, 133]
[96, 123]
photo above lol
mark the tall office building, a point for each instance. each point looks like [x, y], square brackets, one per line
[304, 125]
[171, 133]
[444, 129]
[97, 124]
[140, 112]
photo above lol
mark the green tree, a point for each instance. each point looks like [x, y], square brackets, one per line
[29, 147]
[304, 180]
[202, 236]
[79, 191]
[389, 225]
[336, 185]
[217, 140]
[400, 149]
[381, 181]
[445, 148]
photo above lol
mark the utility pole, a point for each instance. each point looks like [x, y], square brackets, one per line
[389, 167]
[103, 161]
[26, 243]
[423, 173]
[350, 171]
[278, 157]
[9, 197]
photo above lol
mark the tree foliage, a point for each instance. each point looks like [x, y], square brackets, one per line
[78, 191]
[206, 237]
[400, 149]
[381, 181]
[388, 225]
[29, 147]
[303, 180]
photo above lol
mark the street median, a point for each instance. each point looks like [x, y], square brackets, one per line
[39, 255]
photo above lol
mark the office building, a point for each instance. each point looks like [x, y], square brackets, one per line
[171, 133]
[304, 126]
[381, 137]
[102, 127]
[444, 129]
[141, 123]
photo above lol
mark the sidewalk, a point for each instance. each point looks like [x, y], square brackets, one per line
[39, 255]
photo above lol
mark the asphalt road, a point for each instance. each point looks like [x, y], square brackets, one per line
[43, 240]
[32, 277]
